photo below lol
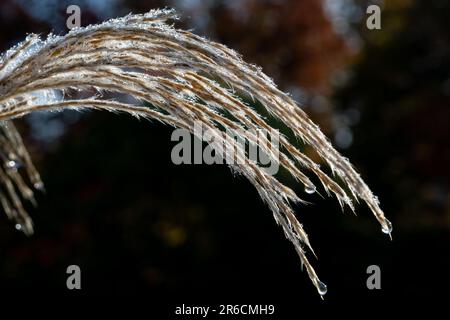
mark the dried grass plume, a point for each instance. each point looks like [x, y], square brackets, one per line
[182, 78]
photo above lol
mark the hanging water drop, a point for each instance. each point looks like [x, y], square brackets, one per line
[38, 185]
[386, 227]
[18, 226]
[11, 164]
[310, 189]
[321, 288]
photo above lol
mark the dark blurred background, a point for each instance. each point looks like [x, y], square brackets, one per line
[137, 224]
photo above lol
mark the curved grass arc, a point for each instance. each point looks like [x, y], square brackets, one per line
[177, 74]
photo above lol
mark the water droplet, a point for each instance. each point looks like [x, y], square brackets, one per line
[18, 226]
[321, 288]
[310, 189]
[387, 227]
[38, 185]
[12, 164]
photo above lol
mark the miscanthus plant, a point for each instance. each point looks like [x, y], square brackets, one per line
[175, 77]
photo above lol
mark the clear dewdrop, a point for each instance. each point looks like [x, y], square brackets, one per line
[18, 226]
[13, 164]
[38, 186]
[387, 227]
[310, 189]
[321, 288]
